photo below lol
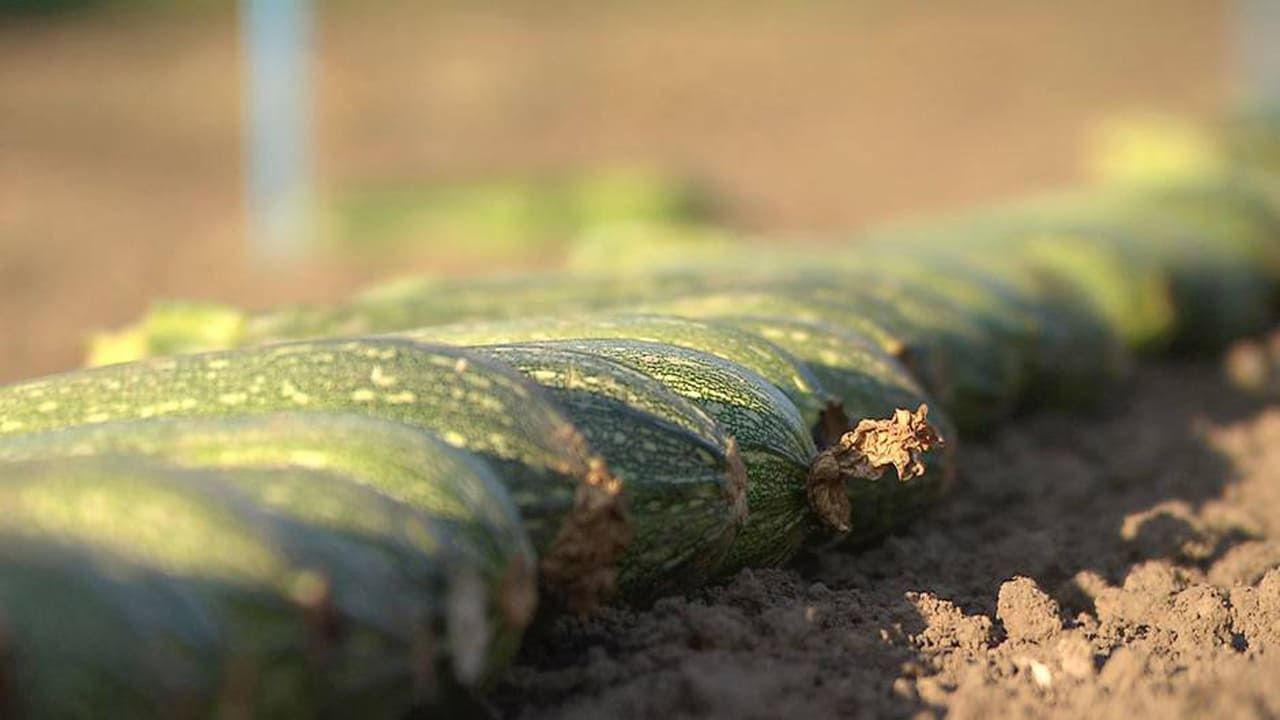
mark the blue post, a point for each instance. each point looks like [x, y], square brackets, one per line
[276, 49]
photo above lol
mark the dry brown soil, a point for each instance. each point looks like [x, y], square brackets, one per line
[1124, 564]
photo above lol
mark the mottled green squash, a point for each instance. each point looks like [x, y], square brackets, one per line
[985, 298]
[774, 440]
[760, 356]
[1214, 243]
[1127, 290]
[682, 476]
[761, 303]
[567, 498]
[871, 385]
[243, 591]
[415, 302]
[185, 327]
[442, 489]
[863, 377]
[1072, 351]
[979, 381]
[1131, 295]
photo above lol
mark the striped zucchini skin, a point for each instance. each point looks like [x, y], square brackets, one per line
[870, 385]
[985, 298]
[417, 302]
[441, 489]
[236, 606]
[1127, 290]
[773, 439]
[856, 370]
[682, 477]
[765, 303]
[1078, 356]
[1131, 295]
[173, 328]
[979, 382]
[1071, 353]
[1213, 242]
[793, 378]
[569, 502]
[771, 303]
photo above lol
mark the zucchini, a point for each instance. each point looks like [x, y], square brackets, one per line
[320, 601]
[174, 328]
[168, 328]
[1213, 243]
[1132, 295]
[1125, 288]
[986, 299]
[786, 500]
[1071, 351]
[458, 494]
[978, 381]
[870, 385]
[761, 303]
[74, 646]
[862, 377]
[682, 477]
[569, 501]
[762, 357]
[774, 440]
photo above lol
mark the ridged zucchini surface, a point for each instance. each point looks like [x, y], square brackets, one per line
[569, 502]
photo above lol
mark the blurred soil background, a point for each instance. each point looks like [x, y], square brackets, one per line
[120, 126]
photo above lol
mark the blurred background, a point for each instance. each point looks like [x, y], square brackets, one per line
[468, 136]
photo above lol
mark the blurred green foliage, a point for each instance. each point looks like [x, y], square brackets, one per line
[510, 218]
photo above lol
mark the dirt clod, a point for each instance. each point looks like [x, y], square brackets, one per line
[1026, 612]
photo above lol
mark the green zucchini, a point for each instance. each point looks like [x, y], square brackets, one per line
[1078, 355]
[1213, 242]
[1226, 275]
[762, 357]
[979, 381]
[173, 328]
[682, 477]
[986, 299]
[235, 606]
[786, 501]
[1070, 346]
[569, 502]
[862, 376]
[1126, 290]
[458, 494]
[74, 647]
[168, 328]
[760, 303]
[871, 385]
[774, 440]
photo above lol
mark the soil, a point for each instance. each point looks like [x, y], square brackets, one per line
[1121, 564]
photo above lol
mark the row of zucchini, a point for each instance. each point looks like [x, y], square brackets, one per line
[357, 509]
[642, 465]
